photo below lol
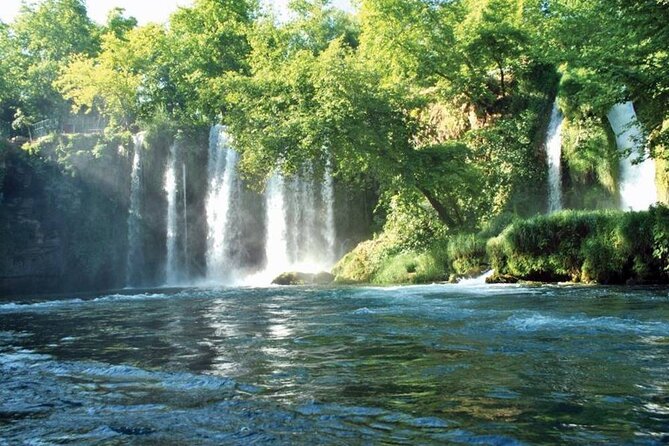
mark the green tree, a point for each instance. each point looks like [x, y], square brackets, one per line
[614, 51]
[47, 36]
[118, 23]
[122, 81]
[313, 107]
[8, 84]
[54, 30]
[205, 41]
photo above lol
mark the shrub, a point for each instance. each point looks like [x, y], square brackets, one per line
[412, 268]
[467, 254]
[599, 246]
[360, 265]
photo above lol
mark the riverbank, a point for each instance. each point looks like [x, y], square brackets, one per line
[606, 247]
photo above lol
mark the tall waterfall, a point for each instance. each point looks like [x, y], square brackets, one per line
[300, 223]
[328, 199]
[553, 157]
[277, 246]
[308, 226]
[637, 181]
[222, 200]
[253, 238]
[170, 186]
[135, 260]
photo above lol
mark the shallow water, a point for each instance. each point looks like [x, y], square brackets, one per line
[416, 365]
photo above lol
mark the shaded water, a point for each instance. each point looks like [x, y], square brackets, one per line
[415, 365]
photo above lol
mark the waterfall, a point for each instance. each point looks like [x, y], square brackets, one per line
[222, 200]
[637, 181]
[553, 157]
[477, 281]
[308, 225]
[277, 246]
[328, 199]
[295, 219]
[184, 194]
[135, 259]
[170, 187]
[300, 223]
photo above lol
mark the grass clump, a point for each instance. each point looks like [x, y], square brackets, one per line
[467, 254]
[413, 267]
[594, 246]
[410, 249]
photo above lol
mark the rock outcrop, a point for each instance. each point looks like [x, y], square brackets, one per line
[298, 278]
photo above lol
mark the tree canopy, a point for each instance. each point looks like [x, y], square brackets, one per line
[442, 100]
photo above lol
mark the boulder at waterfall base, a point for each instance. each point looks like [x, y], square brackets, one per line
[297, 278]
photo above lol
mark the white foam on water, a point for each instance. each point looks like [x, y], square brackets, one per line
[543, 322]
[477, 281]
[17, 307]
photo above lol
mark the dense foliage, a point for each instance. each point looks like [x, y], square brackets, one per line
[603, 247]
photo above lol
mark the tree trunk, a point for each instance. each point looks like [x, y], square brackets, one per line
[501, 77]
[442, 212]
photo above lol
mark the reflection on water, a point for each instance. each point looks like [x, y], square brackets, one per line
[417, 365]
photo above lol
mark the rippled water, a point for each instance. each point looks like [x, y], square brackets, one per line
[418, 365]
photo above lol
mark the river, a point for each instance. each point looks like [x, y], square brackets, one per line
[439, 364]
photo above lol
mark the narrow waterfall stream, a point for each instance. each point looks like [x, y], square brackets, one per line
[221, 201]
[277, 246]
[170, 186]
[553, 157]
[638, 190]
[135, 261]
[328, 198]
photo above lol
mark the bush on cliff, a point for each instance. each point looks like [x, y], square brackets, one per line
[467, 254]
[415, 248]
[599, 246]
[373, 261]
[411, 249]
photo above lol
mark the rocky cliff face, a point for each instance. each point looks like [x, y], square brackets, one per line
[64, 203]
[59, 231]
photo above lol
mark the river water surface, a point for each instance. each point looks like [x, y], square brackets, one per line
[442, 364]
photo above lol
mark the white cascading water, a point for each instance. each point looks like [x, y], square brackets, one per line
[277, 246]
[298, 221]
[293, 217]
[477, 281]
[328, 199]
[222, 197]
[170, 187]
[300, 225]
[553, 157]
[637, 181]
[308, 226]
[135, 259]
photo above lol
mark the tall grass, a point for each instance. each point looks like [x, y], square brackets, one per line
[595, 246]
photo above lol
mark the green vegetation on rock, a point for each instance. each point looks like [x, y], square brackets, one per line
[596, 246]
[579, 246]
